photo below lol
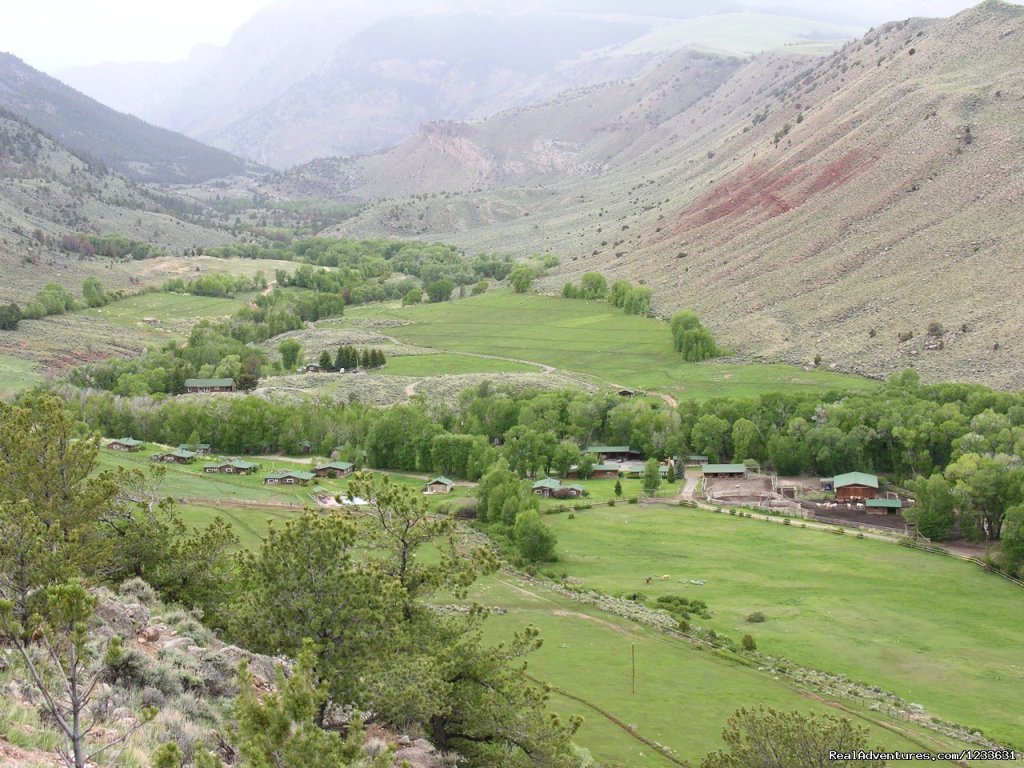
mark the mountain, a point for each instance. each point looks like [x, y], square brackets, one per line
[304, 80]
[48, 192]
[837, 206]
[126, 143]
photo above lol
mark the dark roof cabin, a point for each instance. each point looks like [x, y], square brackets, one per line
[177, 456]
[125, 444]
[334, 469]
[438, 485]
[288, 477]
[198, 386]
[232, 468]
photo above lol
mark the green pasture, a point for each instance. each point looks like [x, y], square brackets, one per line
[683, 694]
[445, 364]
[16, 375]
[936, 631]
[170, 309]
[593, 338]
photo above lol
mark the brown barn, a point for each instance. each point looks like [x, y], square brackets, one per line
[855, 486]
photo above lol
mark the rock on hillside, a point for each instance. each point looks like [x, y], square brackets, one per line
[807, 205]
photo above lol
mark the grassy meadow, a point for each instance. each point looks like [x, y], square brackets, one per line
[174, 312]
[16, 375]
[592, 338]
[938, 632]
[683, 693]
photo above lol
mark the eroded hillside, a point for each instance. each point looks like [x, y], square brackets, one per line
[804, 206]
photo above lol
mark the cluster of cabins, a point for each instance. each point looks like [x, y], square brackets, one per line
[187, 454]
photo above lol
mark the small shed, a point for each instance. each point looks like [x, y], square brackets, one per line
[724, 470]
[125, 444]
[288, 477]
[855, 486]
[235, 467]
[200, 448]
[334, 469]
[306, 446]
[604, 472]
[313, 368]
[883, 506]
[439, 485]
[199, 386]
[627, 392]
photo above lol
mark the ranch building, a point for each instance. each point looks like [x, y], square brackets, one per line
[616, 453]
[177, 456]
[125, 444]
[883, 506]
[199, 386]
[288, 477]
[439, 485]
[696, 460]
[737, 471]
[334, 469]
[549, 487]
[855, 486]
[200, 448]
[313, 368]
[231, 468]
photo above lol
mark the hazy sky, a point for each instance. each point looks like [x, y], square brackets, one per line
[50, 34]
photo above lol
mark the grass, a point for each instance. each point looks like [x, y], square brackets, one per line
[907, 621]
[592, 338]
[446, 364]
[170, 309]
[16, 375]
[683, 694]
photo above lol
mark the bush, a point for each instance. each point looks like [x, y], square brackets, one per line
[632, 500]
[139, 590]
[748, 643]
[756, 618]
[134, 669]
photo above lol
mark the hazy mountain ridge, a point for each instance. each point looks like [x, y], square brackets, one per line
[875, 212]
[307, 80]
[47, 192]
[126, 143]
[580, 133]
